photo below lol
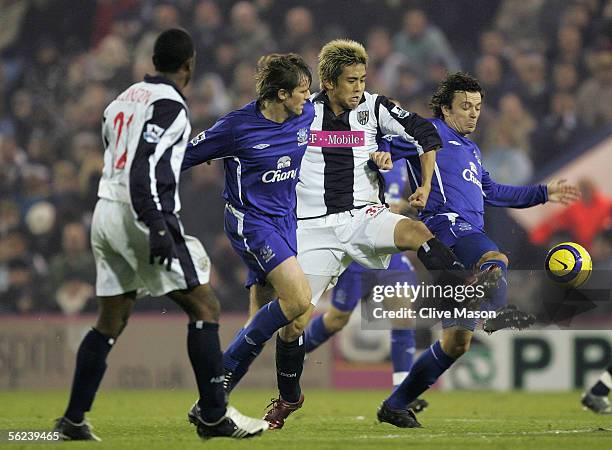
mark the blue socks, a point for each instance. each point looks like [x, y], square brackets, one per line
[316, 334]
[432, 363]
[243, 366]
[498, 299]
[207, 361]
[88, 373]
[252, 338]
[402, 354]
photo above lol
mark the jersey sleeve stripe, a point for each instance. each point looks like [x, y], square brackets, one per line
[168, 119]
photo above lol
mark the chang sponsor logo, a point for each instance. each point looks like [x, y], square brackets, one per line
[274, 176]
[471, 175]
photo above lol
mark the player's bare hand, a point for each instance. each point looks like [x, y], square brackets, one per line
[382, 160]
[559, 191]
[419, 197]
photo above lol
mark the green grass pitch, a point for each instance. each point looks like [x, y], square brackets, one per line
[328, 420]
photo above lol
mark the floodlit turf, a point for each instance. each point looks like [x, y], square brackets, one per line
[329, 420]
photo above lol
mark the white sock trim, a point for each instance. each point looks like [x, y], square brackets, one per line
[398, 377]
[606, 379]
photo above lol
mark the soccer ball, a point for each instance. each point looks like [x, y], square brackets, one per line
[569, 264]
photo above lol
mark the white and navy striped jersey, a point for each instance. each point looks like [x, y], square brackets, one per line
[335, 175]
[145, 131]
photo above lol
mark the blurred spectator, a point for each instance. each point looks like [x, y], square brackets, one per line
[298, 30]
[511, 128]
[250, 36]
[384, 65]
[72, 271]
[583, 219]
[565, 78]
[422, 43]
[595, 96]
[489, 72]
[532, 87]
[557, 131]
[207, 30]
[520, 23]
[568, 48]
[10, 218]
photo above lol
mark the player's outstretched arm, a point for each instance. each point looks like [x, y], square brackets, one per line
[215, 143]
[559, 191]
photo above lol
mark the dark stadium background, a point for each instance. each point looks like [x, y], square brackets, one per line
[545, 66]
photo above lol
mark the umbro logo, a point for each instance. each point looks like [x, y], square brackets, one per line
[261, 146]
[454, 142]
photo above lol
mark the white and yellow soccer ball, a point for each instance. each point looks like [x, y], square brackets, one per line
[569, 264]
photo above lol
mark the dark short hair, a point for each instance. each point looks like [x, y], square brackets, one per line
[459, 81]
[280, 71]
[172, 48]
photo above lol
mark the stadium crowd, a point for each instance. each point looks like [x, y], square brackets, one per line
[545, 66]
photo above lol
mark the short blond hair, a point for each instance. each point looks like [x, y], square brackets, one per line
[338, 54]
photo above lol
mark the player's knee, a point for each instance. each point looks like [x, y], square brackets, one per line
[410, 234]
[299, 302]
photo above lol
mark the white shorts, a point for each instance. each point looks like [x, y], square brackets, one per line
[120, 246]
[327, 245]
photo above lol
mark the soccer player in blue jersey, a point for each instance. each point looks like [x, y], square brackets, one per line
[262, 145]
[454, 213]
[357, 282]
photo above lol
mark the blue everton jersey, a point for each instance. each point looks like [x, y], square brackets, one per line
[262, 158]
[461, 185]
[396, 178]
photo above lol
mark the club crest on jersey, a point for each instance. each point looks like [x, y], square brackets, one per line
[477, 157]
[302, 136]
[363, 117]
[267, 253]
[153, 133]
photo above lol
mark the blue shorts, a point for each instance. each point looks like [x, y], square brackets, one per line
[357, 282]
[263, 242]
[467, 242]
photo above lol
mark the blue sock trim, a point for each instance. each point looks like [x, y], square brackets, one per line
[499, 298]
[316, 334]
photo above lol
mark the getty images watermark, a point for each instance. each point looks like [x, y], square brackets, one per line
[402, 292]
[397, 301]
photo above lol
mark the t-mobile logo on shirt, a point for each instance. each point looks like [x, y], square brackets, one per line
[337, 138]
